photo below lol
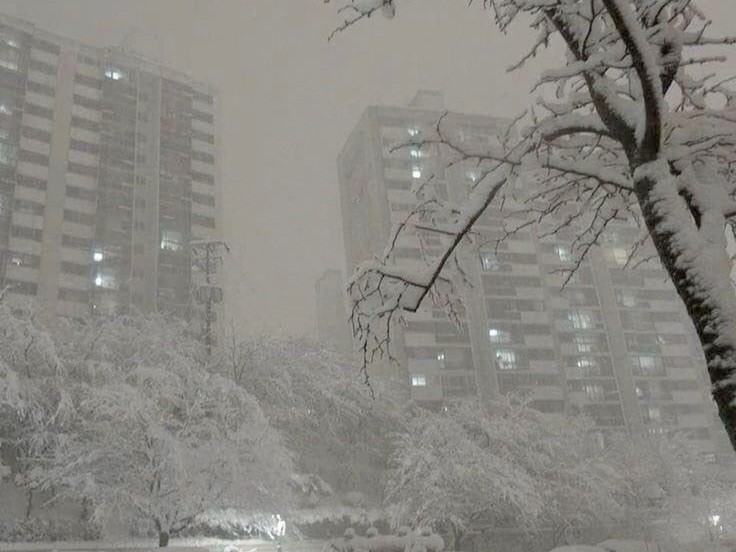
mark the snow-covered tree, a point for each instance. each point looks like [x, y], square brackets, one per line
[157, 436]
[630, 127]
[33, 405]
[337, 427]
[499, 465]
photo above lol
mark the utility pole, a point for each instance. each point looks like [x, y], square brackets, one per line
[207, 258]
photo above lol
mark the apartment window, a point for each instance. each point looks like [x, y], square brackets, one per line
[171, 240]
[647, 365]
[506, 359]
[75, 241]
[201, 177]
[29, 181]
[626, 298]
[28, 206]
[620, 255]
[21, 287]
[106, 279]
[207, 222]
[74, 295]
[8, 154]
[98, 255]
[9, 58]
[414, 153]
[79, 218]
[74, 268]
[498, 336]
[23, 259]
[203, 157]
[418, 380]
[580, 320]
[416, 173]
[563, 253]
[23, 232]
[413, 131]
[489, 261]
[113, 73]
[204, 199]
[81, 193]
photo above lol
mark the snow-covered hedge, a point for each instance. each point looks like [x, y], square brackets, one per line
[404, 541]
[44, 530]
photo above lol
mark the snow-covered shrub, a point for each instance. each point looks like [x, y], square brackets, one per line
[40, 530]
[405, 540]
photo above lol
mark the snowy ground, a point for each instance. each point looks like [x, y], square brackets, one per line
[176, 545]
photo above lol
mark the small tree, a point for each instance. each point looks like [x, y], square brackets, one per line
[159, 437]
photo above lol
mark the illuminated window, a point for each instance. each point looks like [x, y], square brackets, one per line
[654, 414]
[418, 380]
[414, 152]
[413, 131]
[563, 252]
[498, 336]
[105, 279]
[489, 261]
[441, 359]
[620, 255]
[171, 240]
[416, 173]
[585, 343]
[114, 74]
[97, 256]
[506, 359]
[472, 176]
[580, 320]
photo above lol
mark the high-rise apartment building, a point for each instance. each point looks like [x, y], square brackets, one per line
[615, 343]
[107, 173]
[333, 327]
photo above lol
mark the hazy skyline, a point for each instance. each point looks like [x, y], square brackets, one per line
[289, 100]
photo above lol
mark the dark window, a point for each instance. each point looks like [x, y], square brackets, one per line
[39, 88]
[88, 81]
[24, 288]
[207, 222]
[74, 268]
[76, 241]
[33, 109]
[203, 136]
[203, 157]
[203, 199]
[78, 168]
[204, 98]
[28, 206]
[42, 67]
[30, 182]
[81, 193]
[202, 116]
[78, 217]
[35, 134]
[86, 102]
[85, 124]
[26, 233]
[33, 157]
[76, 295]
[81, 145]
[45, 46]
[201, 177]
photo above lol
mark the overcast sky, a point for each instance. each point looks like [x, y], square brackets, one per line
[289, 101]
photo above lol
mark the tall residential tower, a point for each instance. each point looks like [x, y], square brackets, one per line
[615, 343]
[107, 173]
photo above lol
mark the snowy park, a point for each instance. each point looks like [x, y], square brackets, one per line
[253, 300]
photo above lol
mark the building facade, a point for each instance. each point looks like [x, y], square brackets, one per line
[615, 343]
[333, 327]
[108, 170]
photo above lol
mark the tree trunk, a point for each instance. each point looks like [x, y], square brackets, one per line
[29, 503]
[163, 539]
[674, 234]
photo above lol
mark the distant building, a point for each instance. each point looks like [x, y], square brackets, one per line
[616, 344]
[333, 326]
[107, 172]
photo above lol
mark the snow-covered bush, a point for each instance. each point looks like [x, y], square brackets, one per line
[405, 540]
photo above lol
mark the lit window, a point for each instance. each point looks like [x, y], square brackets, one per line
[114, 74]
[489, 261]
[171, 240]
[506, 359]
[413, 131]
[106, 279]
[414, 152]
[418, 380]
[655, 415]
[416, 173]
[498, 336]
[9, 59]
[441, 359]
[5, 110]
[563, 252]
[97, 256]
[594, 392]
[580, 320]
[620, 255]
[584, 343]
[472, 176]
[626, 298]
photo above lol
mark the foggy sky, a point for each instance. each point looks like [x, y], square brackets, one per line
[289, 101]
